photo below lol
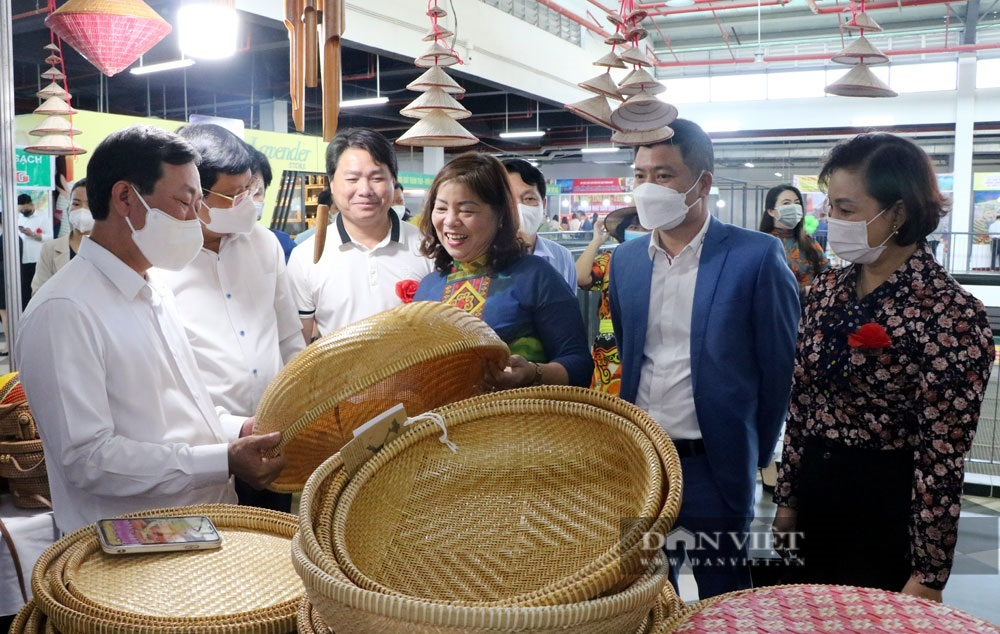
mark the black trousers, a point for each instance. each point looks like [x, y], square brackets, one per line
[994, 253]
[854, 516]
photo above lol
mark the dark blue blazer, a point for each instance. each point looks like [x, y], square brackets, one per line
[743, 334]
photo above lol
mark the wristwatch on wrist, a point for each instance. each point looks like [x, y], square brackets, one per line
[538, 375]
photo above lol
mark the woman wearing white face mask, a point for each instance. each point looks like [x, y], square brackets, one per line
[783, 220]
[57, 253]
[893, 361]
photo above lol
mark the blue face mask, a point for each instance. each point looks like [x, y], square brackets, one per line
[631, 235]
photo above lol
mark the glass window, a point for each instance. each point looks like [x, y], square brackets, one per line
[988, 73]
[751, 87]
[923, 77]
[686, 90]
[796, 85]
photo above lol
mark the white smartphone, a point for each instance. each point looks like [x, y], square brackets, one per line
[122, 536]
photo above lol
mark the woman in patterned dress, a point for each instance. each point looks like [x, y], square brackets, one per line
[893, 360]
[783, 220]
[469, 228]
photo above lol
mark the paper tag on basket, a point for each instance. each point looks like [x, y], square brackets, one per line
[370, 437]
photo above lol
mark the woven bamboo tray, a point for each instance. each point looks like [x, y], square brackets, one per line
[522, 505]
[247, 586]
[821, 609]
[423, 355]
[348, 609]
[28, 620]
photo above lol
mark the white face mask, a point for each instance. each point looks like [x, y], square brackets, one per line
[632, 234]
[661, 207]
[788, 215]
[238, 219]
[165, 241]
[259, 207]
[81, 219]
[400, 210]
[531, 218]
[849, 240]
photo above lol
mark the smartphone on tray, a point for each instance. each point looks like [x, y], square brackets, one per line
[122, 536]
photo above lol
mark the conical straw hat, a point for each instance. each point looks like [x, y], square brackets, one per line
[615, 38]
[437, 130]
[860, 51]
[643, 138]
[55, 145]
[862, 21]
[636, 33]
[54, 105]
[603, 84]
[53, 124]
[436, 33]
[860, 81]
[436, 12]
[642, 112]
[637, 15]
[433, 100]
[436, 55]
[595, 109]
[435, 77]
[50, 47]
[53, 59]
[639, 80]
[54, 74]
[615, 19]
[635, 56]
[52, 90]
[611, 61]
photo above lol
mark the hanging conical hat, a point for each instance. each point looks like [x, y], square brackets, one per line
[635, 56]
[435, 77]
[52, 90]
[50, 47]
[639, 80]
[436, 12]
[436, 55]
[614, 39]
[437, 130]
[862, 21]
[595, 109]
[436, 33]
[615, 19]
[637, 16]
[610, 61]
[603, 84]
[53, 74]
[433, 100]
[53, 124]
[53, 60]
[643, 138]
[636, 33]
[860, 81]
[642, 112]
[55, 145]
[860, 51]
[55, 105]
[111, 35]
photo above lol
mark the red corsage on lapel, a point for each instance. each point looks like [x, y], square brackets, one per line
[406, 289]
[869, 337]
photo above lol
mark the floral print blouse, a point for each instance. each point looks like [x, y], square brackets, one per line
[923, 391]
[802, 267]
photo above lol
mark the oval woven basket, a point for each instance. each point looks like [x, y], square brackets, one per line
[348, 609]
[16, 422]
[246, 586]
[28, 620]
[423, 355]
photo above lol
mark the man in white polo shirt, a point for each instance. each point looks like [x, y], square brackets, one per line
[368, 251]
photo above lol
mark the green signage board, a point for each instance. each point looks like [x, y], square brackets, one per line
[413, 180]
[34, 171]
[552, 189]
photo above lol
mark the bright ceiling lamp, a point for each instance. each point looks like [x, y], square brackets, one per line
[598, 150]
[369, 101]
[207, 29]
[522, 134]
[146, 69]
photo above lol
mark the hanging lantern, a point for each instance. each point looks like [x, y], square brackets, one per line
[109, 34]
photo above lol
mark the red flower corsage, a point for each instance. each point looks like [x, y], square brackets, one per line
[406, 289]
[871, 336]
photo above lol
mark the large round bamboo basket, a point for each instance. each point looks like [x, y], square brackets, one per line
[247, 586]
[423, 355]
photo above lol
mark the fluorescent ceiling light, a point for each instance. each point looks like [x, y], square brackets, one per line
[207, 30]
[679, 3]
[748, 164]
[596, 150]
[523, 134]
[155, 68]
[358, 103]
[778, 174]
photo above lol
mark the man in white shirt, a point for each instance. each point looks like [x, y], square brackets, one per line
[125, 419]
[34, 229]
[368, 250]
[705, 315]
[528, 186]
[234, 299]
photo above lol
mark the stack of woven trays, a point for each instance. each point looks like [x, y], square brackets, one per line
[541, 513]
[248, 586]
[22, 461]
[821, 609]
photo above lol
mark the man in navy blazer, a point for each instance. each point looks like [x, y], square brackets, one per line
[705, 315]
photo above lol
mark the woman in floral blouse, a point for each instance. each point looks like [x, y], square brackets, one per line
[893, 360]
[783, 220]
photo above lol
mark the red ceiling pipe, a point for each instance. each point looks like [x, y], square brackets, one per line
[602, 7]
[656, 11]
[961, 48]
[572, 16]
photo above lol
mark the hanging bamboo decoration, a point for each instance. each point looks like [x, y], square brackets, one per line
[333, 30]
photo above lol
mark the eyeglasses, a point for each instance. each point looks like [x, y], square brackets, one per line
[238, 198]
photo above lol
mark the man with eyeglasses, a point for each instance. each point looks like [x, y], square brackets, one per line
[126, 420]
[528, 186]
[234, 297]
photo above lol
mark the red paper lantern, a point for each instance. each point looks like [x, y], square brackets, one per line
[110, 34]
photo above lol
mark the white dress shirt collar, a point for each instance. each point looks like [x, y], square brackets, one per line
[124, 277]
[694, 246]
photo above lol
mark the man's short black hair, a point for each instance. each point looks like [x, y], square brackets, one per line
[261, 164]
[361, 139]
[24, 199]
[398, 186]
[530, 174]
[695, 146]
[135, 154]
[222, 152]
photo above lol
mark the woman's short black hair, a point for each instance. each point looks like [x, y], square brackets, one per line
[893, 169]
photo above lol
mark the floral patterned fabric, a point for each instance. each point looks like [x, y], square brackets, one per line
[923, 391]
[803, 269]
[607, 364]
